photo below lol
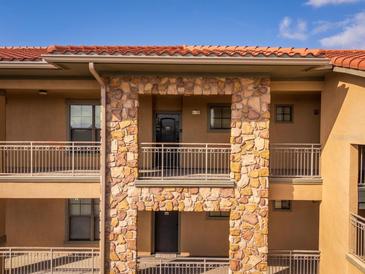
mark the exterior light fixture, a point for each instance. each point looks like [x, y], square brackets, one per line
[195, 112]
[42, 92]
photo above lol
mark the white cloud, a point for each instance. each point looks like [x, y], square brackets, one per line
[324, 26]
[292, 31]
[351, 36]
[320, 3]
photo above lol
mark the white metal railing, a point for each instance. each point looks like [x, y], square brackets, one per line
[171, 161]
[295, 160]
[49, 158]
[182, 265]
[357, 236]
[49, 260]
[293, 262]
[279, 262]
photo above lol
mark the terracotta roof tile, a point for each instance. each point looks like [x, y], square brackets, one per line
[354, 59]
[22, 53]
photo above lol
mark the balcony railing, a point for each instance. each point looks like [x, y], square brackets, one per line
[357, 236]
[295, 160]
[279, 262]
[49, 260]
[187, 161]
[293, 262]
[179, 161]
[49, 158]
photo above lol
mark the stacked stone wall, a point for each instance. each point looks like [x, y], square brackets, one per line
[247, 201]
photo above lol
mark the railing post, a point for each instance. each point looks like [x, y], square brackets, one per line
[92, 261]
[290, 262]
[51, 260]
[31, 158]
[205, 265]
[160, 266]
[312, 160]
[162, 161]
[206, 162]
[73, 157]
[10, 261]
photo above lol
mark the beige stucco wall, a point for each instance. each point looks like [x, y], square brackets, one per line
[37, 222]
[36, 111]
[296, 228]
[198, 235]
[342, 124]
[305, 126]
[203, 236]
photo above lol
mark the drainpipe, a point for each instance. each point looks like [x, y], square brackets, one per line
[103, 164]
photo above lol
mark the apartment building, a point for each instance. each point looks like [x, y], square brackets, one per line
[182, 159]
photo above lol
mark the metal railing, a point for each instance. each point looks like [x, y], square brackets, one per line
[181, 265]
[49, 158]
[49, 260]
[293, 262]
[295, 160]
[178, 161]
[357, 236]
[279, 262]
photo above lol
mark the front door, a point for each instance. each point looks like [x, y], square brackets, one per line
[167, 127]
[166, 232]
[167, 130]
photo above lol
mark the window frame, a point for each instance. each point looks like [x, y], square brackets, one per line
[281, 208]
[219, 105]
[291, 106]
[93, 103]
[218, 217]
[93, 217]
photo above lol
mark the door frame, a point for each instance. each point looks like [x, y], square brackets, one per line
[166, 112]
[153, 230]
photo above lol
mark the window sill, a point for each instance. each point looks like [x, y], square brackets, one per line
[81, 243]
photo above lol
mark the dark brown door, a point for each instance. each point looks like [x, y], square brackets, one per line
[167, 127]
[166, 231]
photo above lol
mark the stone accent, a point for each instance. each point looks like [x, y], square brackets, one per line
[247, 201]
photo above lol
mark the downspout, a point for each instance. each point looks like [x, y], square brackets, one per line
[103, 164]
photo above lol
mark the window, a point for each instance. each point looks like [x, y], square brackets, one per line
[84, 122]
[284, 113]
[83, 219]
[282, 204]
[220, 117]
[218, 214]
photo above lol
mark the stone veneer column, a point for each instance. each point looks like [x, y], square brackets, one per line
[249, 169]
[248, 201]
[122, 155]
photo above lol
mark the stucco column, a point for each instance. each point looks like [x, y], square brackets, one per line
[121, 171]
[249, 169]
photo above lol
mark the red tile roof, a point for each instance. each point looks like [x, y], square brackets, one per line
[22, 53]
[354, 59]
[185, 51]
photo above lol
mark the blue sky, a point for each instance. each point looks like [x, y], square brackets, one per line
[299, 23]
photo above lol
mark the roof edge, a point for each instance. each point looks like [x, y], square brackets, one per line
[208, 60]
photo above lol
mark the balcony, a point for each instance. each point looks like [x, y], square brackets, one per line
[279, 261]
[357, 237]
[49, 159]
[185, 164]
[295, 160]
[202, 164]
[49, 260]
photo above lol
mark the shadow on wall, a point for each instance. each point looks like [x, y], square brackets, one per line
[332, 100]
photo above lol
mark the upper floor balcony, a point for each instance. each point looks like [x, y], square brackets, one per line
[192, 164]
[49, 160]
